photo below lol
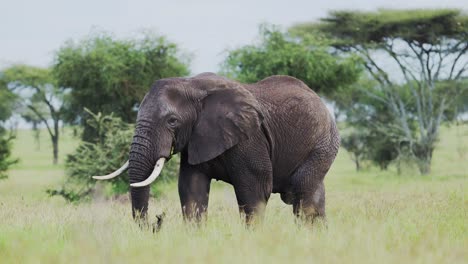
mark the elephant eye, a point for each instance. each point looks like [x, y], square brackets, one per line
[172, 121]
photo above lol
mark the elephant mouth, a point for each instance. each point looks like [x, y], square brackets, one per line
[172, 152]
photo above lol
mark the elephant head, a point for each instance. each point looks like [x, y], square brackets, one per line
[202, 116]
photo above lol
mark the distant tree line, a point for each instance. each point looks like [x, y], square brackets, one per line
[100, 72]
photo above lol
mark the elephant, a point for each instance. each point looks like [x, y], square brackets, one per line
[273, 136]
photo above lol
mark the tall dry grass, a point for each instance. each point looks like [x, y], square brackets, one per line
[373, 217]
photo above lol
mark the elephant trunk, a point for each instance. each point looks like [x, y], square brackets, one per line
[142, 160]
[156, 171]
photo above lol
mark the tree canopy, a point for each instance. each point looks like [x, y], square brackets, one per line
[7, 102]
[416, 57]
[422, 26]
[111, 75]
[278, 53]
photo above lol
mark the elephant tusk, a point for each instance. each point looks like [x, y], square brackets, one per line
[114, 174]
[156, 171]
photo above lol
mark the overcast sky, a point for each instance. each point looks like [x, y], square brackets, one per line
[30, 31]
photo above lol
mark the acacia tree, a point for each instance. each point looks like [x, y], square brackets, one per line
[366, 138]
[38, 91]
[110, 75]
[7, 100]
[427, 48]
[355, 144]
[7, 103]
[279, 53]
[31, 117]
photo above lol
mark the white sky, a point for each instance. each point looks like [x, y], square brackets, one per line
[30, 31]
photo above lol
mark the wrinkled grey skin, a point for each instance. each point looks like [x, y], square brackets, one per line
[274, 136]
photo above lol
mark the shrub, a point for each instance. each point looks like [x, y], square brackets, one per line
[5, 153]
[107, 154]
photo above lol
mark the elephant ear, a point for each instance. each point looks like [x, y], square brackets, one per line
[228, 115]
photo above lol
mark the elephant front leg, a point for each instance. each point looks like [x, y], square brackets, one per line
[194, 190]
[252, 178]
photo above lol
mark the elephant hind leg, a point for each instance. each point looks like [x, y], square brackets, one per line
[310, 205]
[308, 187]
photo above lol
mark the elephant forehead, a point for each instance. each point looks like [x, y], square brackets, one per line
[162, 102]
[150, 107]
[172, 99]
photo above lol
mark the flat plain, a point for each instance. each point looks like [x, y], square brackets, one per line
[373, 217]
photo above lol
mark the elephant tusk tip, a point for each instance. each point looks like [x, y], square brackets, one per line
[113, 174]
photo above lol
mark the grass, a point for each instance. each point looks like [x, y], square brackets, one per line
[373, 217]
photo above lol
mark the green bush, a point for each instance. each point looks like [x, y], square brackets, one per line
[5, 153]
[7, 104]
[106, 155]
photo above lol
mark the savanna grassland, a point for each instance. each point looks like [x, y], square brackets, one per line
[373, 217]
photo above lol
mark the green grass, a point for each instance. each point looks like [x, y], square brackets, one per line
[373, 217]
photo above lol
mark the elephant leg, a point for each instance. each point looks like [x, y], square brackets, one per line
[308, 187]
[310, 205]
[287, 197]
[194, 190]
[252, 178]
[251, 205]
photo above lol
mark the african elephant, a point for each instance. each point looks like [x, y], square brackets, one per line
[273, 136]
